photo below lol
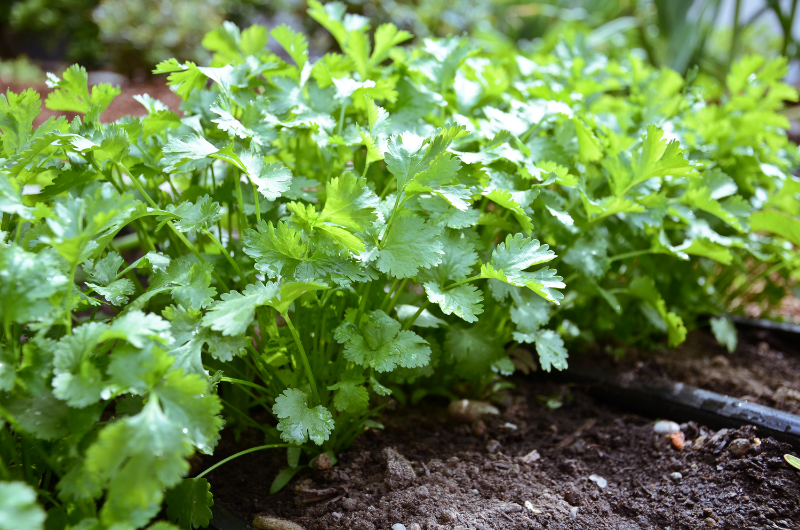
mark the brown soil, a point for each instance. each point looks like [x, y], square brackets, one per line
[763, 369]
[123, 105]
[425, 470]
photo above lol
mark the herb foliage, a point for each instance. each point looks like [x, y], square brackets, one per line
[310, 237]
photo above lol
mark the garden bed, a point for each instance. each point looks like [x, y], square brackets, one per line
[425, 469]
[764, 368]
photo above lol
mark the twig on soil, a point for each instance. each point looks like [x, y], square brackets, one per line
[588, 424]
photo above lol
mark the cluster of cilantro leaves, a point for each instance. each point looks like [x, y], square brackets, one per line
[308, 238]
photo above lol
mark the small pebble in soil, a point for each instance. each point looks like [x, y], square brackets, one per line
[600, 481]
[531, 457]
[510, 426]
[739, 447]
[493, 446]
[675, 477]
[469, 410]
[573, 512]
[678, 440]
[710, 522]
[398, 526]
[399, 472]
[530, 507]
[323, 462]
[666, 427]
[266, 522]
[414, 526]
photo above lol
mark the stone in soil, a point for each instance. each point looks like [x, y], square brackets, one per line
[424, 472]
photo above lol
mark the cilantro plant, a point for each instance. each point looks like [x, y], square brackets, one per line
[308, 238]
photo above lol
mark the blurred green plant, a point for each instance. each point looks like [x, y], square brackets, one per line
[20, 70]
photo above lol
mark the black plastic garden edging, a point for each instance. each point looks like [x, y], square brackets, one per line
[680, 402]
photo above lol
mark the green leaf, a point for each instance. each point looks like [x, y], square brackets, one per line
[189, 503]
[776, 222]
[387, 36]
[587, 143]
[474, 350]
[236, 311]
[27, 281]
[792, 461]
[294, 43]
[72, 93]
[505, 199]
[297, 422]
[464, 300]
[78, 379]
[272, 180]
[283, 478]
[18, 507]
[550, 348]
[17, 112]
[378, 342]
[644, 287]
[193, 217]
[350, 396]
[182, 151]
[350, 203]
[276, 251]
[410, 244]
[725, 333]
[517, 253]
[186, 77]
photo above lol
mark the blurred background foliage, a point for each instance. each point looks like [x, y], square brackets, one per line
[130, 36]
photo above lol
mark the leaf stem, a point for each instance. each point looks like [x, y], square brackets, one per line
[245, 383]
[255, 200]
[303, 356]
[462, 282]
[415, 316]
[240, 453]
[237, 178]
[224, 252]
[631, 254]
[68, 299]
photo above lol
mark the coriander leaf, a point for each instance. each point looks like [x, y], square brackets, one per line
[410, 244]
[725, 333]
[78, 379]
[511, 258]
[505, 199]
[294, 43]
[186, 77]
[17, 112]
[473, 350]
[275, 250]
[550, 347]
[350, 396]
[379, 388]
[378, 342]
[588, 144]
[297, 422]
[18, 507]
[350, 203]
[181, 152]
[386, 37]
[464, 300]
[236, 311]
[194, 217]
[272, 180]
[778, 223]
[72, 93]
[189, 503]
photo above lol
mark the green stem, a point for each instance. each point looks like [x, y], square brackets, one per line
[748, 283]
[245, 383]
[240, 203]
[68, 299]
[631, 254]
[734, 34]
[389, 294]
[397, 294]
[415, 316]
[224, 252]
[303, 356]
[257, 205]
[462, 282]
[240, 453]
[341, 120]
